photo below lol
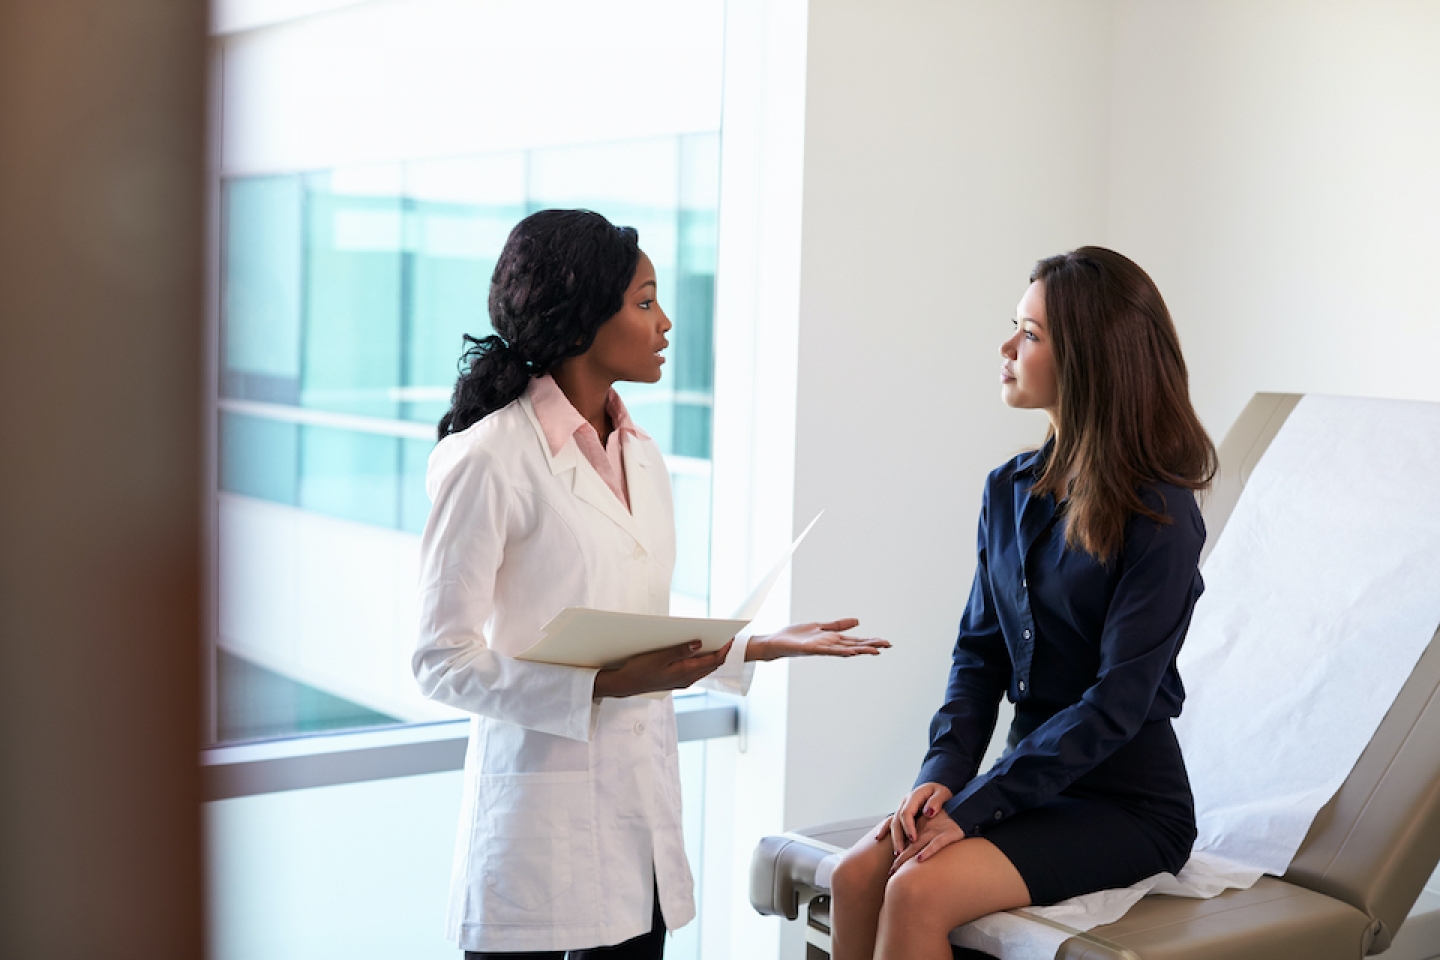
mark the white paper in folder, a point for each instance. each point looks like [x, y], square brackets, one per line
[1319, 599]
[585, 637]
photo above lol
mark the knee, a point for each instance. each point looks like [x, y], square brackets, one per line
[855, 876]
[909, 894]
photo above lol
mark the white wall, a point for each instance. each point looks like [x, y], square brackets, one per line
[1271, 164]
[408, 79]
[1276, 167]
[942, 160]
[938, 165]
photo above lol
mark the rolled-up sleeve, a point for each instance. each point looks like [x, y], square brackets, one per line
[461, 552]
[1145, 623]
[979, 674]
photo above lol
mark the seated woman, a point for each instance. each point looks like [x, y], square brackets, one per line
[1086, 577]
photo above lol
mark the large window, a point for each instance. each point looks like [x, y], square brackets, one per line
[371, 157]
[344, 297]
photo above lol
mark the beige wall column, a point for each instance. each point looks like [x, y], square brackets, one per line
[101, 162]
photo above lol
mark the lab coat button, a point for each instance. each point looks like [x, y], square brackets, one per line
[639, 728]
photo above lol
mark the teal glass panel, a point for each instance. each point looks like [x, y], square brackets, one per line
[414, 502]
[692, 429]
[458, 213]
[259, 457]
[350, 291]
[694, 338]
[353, 293]
[261, 310]
[252, 703]
[349, 474]
[447, 295]
[632, 183]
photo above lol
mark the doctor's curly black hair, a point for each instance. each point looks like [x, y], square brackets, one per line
[561, 275]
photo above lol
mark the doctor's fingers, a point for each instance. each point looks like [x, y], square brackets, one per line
[686, 652]
[843, 646]
[658, 660]
[687, 670]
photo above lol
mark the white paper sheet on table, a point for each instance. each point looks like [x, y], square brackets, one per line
[586, 637]
[1320, 598]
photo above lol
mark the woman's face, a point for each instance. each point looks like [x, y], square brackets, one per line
[628, 345]
[1027, 368]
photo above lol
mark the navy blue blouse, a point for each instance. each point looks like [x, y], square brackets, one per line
[1091, 646]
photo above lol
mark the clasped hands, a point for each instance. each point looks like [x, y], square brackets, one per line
[920, 828]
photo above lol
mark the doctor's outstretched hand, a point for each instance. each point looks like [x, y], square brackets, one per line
[813, 640]
[672, 668]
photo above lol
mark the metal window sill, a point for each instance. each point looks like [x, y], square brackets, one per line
[357, 756]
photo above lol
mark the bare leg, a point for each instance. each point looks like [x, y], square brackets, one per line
[857, 891]
[924, 901]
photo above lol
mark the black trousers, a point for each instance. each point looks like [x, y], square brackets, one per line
[647, 946]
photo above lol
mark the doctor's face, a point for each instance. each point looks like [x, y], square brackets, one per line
[628, 345]
[1027, 367]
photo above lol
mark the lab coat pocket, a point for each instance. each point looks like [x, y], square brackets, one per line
[538, 841]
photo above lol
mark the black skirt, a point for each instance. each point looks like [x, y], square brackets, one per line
[1131, 817]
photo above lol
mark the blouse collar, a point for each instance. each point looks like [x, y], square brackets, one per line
[559, 419]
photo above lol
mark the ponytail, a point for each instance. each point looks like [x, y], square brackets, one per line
[495, 376]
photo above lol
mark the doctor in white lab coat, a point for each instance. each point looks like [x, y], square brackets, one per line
[545, 495]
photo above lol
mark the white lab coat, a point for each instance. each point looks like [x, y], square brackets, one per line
[568, 801]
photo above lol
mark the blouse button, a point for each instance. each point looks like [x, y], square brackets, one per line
[998, 815]
[1022, 686]
[639, 553]
[639, 728]
[1026, 634]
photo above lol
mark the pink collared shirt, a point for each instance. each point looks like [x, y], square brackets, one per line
[560, 421]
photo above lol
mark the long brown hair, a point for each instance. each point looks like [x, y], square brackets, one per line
[1124, 415]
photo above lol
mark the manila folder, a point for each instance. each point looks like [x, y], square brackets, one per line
[584, 637]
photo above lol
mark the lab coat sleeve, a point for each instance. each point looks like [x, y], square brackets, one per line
[1145, 625]
[734, 675]
[461, 553]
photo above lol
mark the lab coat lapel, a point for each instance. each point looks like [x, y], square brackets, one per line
[585, 483]
[589, 486]
[640, 481]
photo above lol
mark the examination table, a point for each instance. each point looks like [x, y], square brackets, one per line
[1360, 873]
